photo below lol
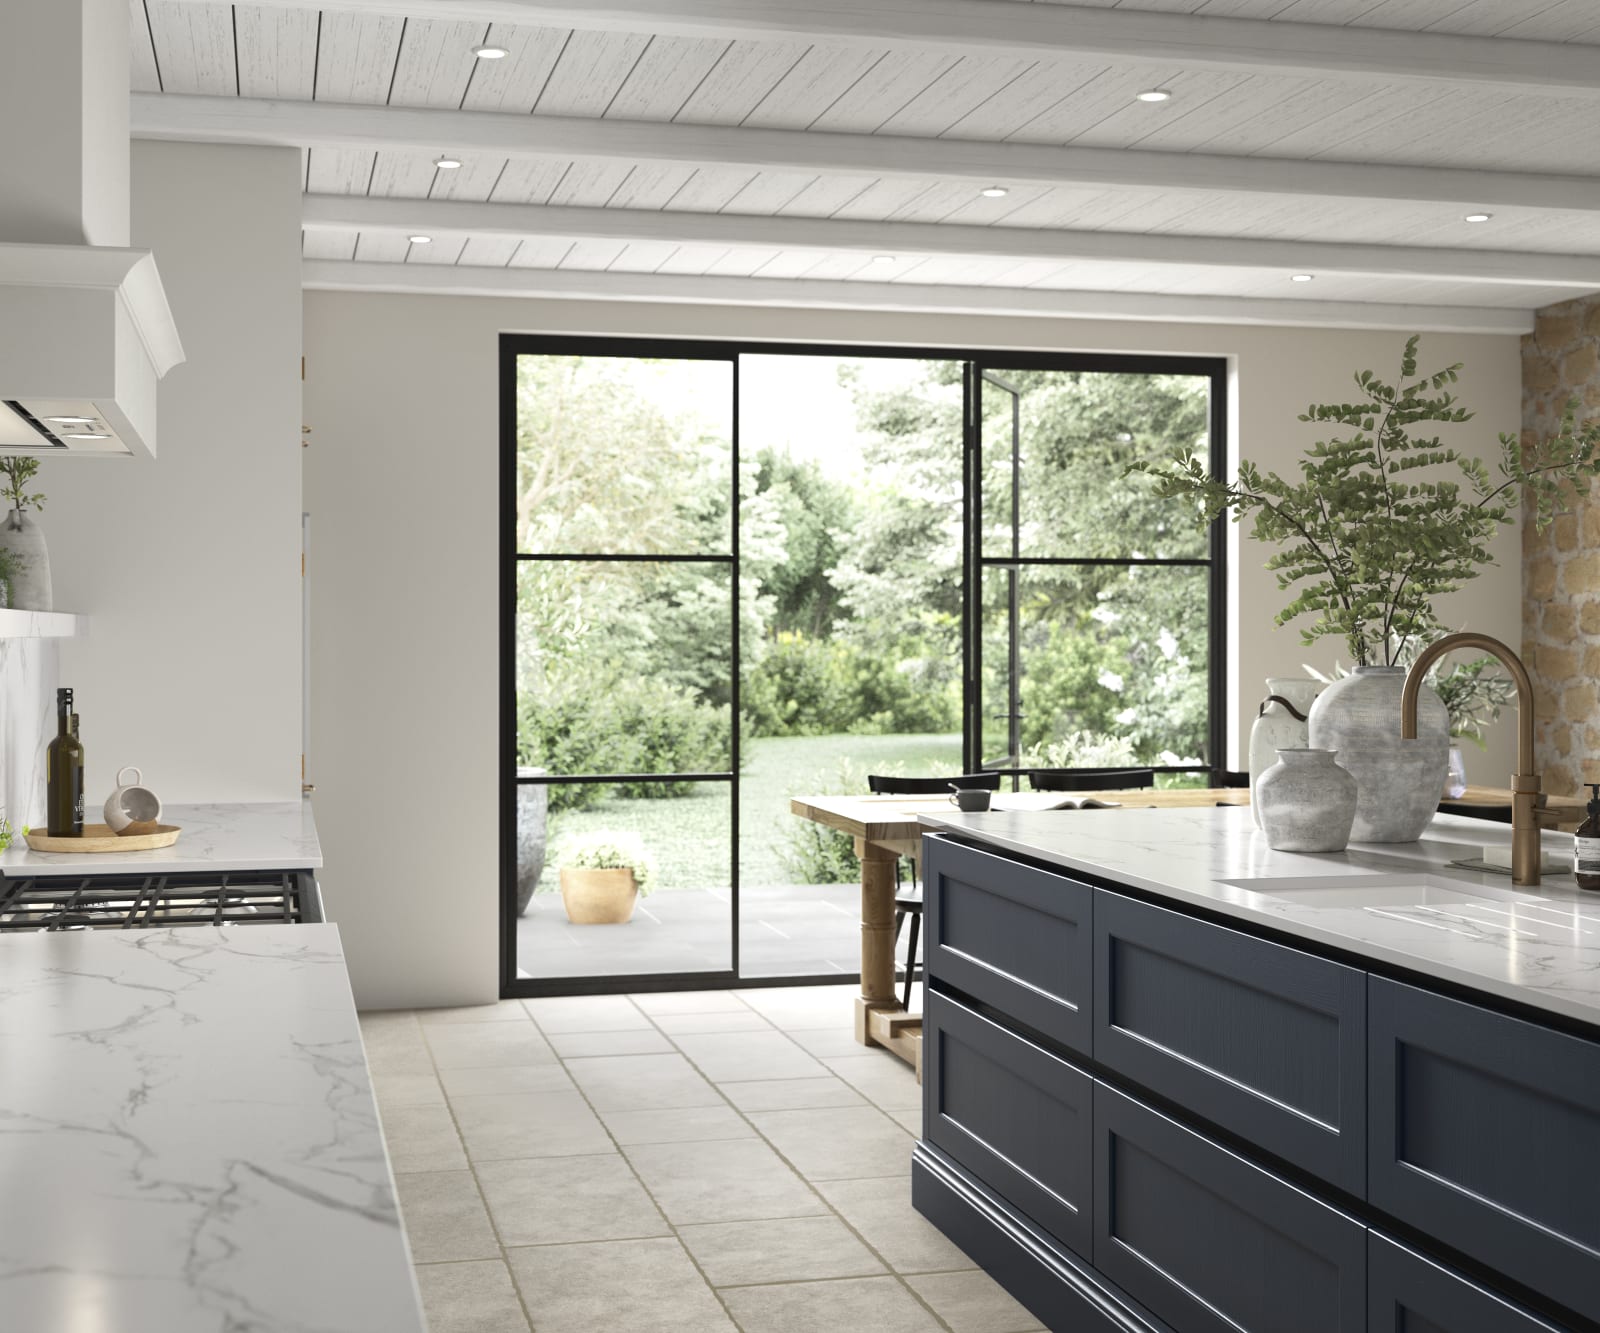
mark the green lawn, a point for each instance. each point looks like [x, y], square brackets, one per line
[689, 835]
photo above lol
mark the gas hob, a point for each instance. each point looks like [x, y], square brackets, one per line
[142, 902]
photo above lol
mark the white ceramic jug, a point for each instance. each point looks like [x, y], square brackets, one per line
[132, 806]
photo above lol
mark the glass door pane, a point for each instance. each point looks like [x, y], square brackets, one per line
[624, 623]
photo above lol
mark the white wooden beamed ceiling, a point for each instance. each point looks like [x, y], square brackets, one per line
[1491, 105]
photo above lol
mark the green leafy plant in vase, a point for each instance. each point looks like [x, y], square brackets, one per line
[1383, 520]
[26, 571]
[603, 874]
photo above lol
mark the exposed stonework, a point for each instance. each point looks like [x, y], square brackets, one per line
[1561, 565]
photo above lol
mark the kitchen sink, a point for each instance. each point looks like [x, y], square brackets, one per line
[1385, 891]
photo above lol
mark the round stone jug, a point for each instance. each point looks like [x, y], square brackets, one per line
[1277, 728]
[1398, 783]
[21, 535]
[1307, 802]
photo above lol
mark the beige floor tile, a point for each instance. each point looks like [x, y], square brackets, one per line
[529, 1124]
[741, 1019]
[640, 1286]
[747, 1055]
[487, 1045]
[505, 1078]
[791, 1094]
[847, 1143]
[386, 1020]
[422, 1138]
[801, 1249]
[798, 1007]
[824, 1042]
[877, 1303]
[407, 1090]
[642, 1083]
[639, 1041]
[733, 1181]
[470, 1298]
[394, 1043]
[585, 1013]
[881, 1211]
[883, 1079]
[910, 1121]
[503, 1011]
[550, 1200]
[973, 1302]
[445, 1217]
[688, 1002]
[693, 1124]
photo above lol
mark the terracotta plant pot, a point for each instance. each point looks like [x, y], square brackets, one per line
[598, 897]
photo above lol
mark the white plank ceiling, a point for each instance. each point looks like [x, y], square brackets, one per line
[844, 93]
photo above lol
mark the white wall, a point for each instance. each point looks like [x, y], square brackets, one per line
[189, 566]
[402, 485]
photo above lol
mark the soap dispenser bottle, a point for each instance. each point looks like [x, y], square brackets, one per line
[1586, 853]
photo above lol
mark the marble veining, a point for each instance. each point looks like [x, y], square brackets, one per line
[29, 673]
[188, 1139]
[278, 835]
[1538, 946]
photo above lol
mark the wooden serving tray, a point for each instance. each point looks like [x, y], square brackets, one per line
[100, 838]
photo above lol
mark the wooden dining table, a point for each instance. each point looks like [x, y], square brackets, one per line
[886, 828]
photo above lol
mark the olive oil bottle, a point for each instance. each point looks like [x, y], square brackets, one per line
[64, 773]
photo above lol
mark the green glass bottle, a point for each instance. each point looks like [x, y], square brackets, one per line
[64, 774]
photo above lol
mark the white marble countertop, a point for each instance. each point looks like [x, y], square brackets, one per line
[277, 835]
[188, 1140]
[1537, 946]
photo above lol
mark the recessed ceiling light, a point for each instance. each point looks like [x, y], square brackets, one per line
[490, 52]
[447, 163]
[420, 240]
[72, 421]
[86, 435]
[1477, 217]
[995, 192]
[883, 259]
[1301, 277]
[1154, 95]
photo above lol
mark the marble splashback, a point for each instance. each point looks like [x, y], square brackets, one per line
[30, 670]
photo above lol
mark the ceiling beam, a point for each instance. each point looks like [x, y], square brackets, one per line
[441, 218]
[1057, 32]
[869, 156]
[561, 284]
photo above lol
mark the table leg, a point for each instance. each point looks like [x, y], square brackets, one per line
[877, 935]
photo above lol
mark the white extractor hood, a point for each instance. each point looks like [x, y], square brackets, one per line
[85, 334]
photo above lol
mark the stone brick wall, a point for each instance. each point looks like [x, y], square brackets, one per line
[1561, 565]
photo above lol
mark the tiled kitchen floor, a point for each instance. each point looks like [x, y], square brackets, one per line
[673, 1163]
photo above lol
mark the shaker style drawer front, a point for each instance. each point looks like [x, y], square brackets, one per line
[1263, 1040]
[1485, 1134]
[1010, 935]
[1211, 1243]
[1407, 1293]
[1014, 1115]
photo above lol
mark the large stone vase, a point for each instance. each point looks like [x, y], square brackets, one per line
[1398, 783]
[21, 535]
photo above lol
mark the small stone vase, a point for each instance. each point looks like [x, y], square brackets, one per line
[1277, 728]
[21, 535]
[1398, 782]
[1307, 802]
[533, 815]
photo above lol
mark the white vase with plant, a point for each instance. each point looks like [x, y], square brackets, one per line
[1382, 522]
[603, 874]
[26, 562]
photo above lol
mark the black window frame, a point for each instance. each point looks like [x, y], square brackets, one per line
[974, 361]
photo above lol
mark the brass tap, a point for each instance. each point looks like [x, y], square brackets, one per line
[1526, 802]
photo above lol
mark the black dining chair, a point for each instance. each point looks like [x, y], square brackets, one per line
[1091, 779]
[1226, 777]
[908, 902]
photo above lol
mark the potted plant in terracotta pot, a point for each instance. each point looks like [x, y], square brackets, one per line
[602, 876]
[28, 583]
[1382, 520]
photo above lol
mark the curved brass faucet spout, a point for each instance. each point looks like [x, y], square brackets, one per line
[1525, 799]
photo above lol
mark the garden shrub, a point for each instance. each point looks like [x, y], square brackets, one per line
[814, 853]
[824, 687]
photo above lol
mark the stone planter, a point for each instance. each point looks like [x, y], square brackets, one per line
[1307, 802]
[598, 897]
[533, 815]
[1398, 783]
[21, 535]
[1276, 728]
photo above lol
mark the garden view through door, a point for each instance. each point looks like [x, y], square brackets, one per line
[746, 575]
